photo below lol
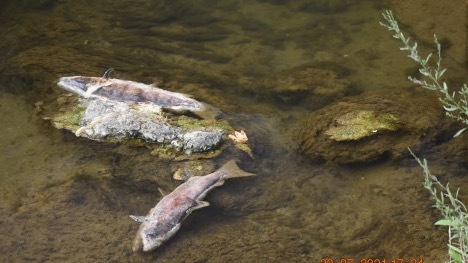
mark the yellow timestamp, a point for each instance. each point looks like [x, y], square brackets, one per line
[371, 260]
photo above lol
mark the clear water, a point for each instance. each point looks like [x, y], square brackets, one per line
[66, 199]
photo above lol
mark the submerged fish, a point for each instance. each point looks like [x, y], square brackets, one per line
[134, 92]
[164, 220]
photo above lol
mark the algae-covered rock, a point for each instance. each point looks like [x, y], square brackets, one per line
[361, 123]
[113, 121]
[372, 126]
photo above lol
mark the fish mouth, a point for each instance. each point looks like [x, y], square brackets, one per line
[137, 243]
[76, 84]
[146, 247]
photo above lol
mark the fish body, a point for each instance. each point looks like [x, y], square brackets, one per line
[164, 220]
[134, 92]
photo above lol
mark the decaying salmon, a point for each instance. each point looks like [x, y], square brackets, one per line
[164, 220]
[135, 92]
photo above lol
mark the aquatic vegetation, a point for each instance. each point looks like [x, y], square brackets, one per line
[69, 120]
[454, 211]
[361, 123]
[454, 103]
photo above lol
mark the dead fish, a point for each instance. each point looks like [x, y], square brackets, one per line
[135, 92]
[164, 220]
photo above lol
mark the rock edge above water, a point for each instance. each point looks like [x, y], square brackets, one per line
[112, 121]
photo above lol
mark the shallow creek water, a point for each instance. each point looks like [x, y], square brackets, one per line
[67, 199]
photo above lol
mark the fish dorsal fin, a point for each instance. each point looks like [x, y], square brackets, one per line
[139, 219]
[106, 74]
[162, 191]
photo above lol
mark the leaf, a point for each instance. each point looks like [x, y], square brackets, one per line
[427, 58]
[459, 132]
[440, 73]
[445, 86]
[455, 253]
[451, 107]
[443, 222]
[424, 72]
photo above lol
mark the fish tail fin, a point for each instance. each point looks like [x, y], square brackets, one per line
[232, 170]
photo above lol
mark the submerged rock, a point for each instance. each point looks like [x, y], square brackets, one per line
[308, 87]
[320, 6]
[358, 124]
[371, 126]
[201, 141]
[185, 170]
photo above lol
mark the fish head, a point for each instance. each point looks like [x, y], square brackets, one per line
[147, 240]
[78, 84]
[152, 234]
[151, 242]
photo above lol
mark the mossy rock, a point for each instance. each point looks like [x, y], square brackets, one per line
[168, 136]
[373, 126]
[360, 124]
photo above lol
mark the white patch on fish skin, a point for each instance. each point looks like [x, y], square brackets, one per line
[91, 89]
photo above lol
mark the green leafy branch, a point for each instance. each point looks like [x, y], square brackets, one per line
[454, 214]
[455, 106]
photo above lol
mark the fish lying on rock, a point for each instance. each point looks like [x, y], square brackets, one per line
[164, 220]
[135, 92]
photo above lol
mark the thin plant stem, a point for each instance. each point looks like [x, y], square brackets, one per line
[455, 103]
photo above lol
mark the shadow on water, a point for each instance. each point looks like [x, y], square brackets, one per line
[68, 199]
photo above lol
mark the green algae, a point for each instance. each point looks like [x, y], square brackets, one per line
[189, 124]
[356, 125]
[69, 119]
[245, 148]
[163, 152]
